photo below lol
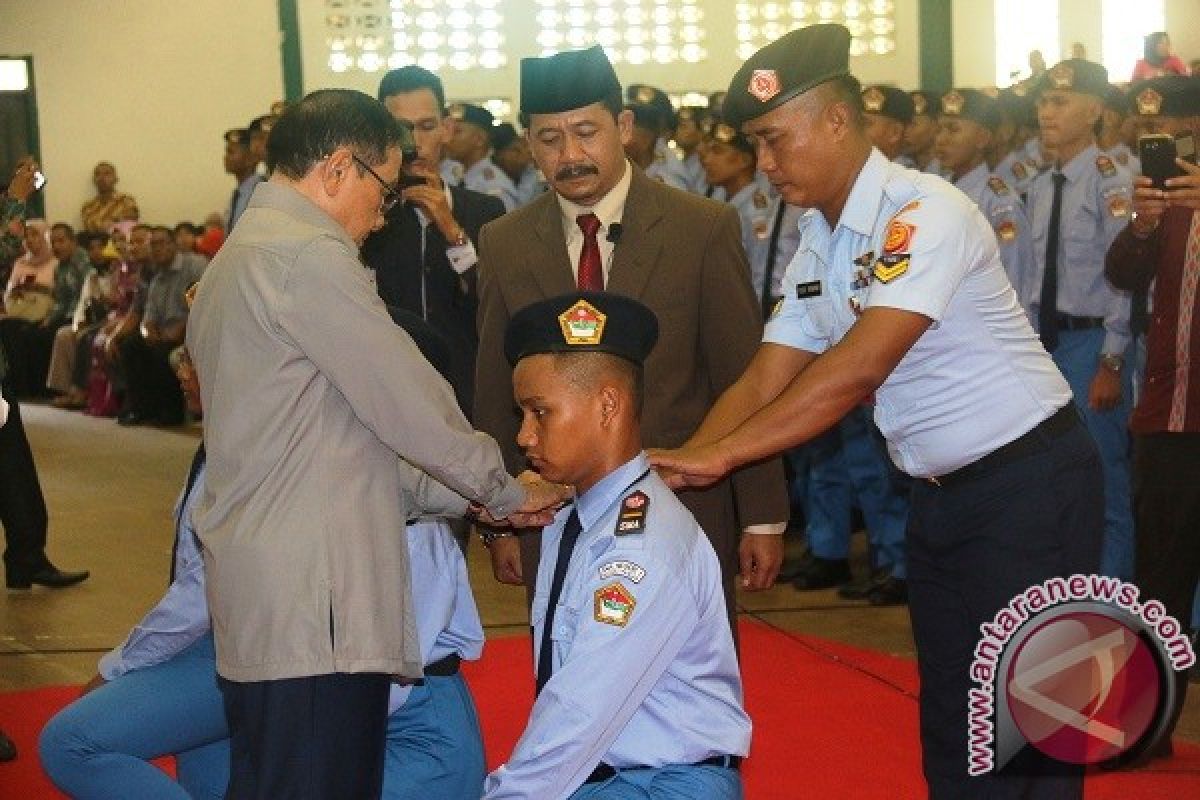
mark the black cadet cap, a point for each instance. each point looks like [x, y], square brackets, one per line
[725, 133]
[582, 322]
[476, 115]
[971, 104]
[1167, 96]
[888, 101]
[651, 97]
[1018, 107]
[566, 81]
[1076, 75]
[925, 103]
[786, 68]
[238, 136]
[502, 135]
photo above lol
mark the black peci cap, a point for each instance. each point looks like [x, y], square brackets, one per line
[566, 81]
[1076, 75]
[582, 322]
[972, 104]
[476, 115]
[1166, 96]
[786, 68]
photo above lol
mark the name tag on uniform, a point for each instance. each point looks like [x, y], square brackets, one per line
[810, 289]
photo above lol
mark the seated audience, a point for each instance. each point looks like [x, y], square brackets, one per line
[108, 206]
[53, 342]
[1157, 59]
[28, 301]
[152, 392]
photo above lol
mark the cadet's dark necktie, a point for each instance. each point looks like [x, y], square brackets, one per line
[565, 546]
[1048, 308]
[773, 245]
[233, 208]
[591, 272]
[193, 473]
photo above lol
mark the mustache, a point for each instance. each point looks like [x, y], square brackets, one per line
[575, 171]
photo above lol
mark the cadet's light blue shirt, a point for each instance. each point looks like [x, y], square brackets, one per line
[1000, 204]
[531, 184]
[694, 169]
[978, 378]
[757, 203]
[451, 171]
[446, 617]
[1018, 171]
[667, 168]
[1095, 208]
[663, 688]
[485, 177]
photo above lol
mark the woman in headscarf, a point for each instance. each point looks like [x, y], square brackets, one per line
[1158, 60]
[28, 300]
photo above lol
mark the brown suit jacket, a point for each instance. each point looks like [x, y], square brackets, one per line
[681, 255]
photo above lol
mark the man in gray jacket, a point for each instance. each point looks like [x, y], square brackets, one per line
[325, 431]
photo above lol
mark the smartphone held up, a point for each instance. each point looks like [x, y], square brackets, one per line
[1158, 152]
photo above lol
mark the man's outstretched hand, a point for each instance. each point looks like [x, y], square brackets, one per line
[690, 467]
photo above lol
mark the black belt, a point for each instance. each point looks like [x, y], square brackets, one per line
[444, 667]
[1066, 322]
[1056, 424]
[604, 771]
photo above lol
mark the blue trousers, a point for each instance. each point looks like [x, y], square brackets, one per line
[100, 746]
[434, 744]
[666, 783]
[848, 462]
[1078, 357]
[972, 547]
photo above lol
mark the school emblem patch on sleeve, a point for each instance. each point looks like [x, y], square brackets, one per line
[897, 237]
[632, 517]
[614, 605]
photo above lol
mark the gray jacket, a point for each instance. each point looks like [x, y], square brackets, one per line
[310, 393]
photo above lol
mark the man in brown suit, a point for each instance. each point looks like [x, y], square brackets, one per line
[607, 226]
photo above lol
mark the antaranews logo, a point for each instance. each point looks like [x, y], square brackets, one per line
[1078, 667]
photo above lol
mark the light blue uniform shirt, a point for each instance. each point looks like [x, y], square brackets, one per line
[978, 378]
[446, 617]
[1018, 171]
[1002, 206]
[531, 184]
[451, 171]
[486, 178]
[757, 204]
[697, 178]
[667, 168]
[1096, 203]
[651, 680]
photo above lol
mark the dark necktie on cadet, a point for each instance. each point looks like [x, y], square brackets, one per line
[233, 208]
[193, 473]
[565, 546]
[591, 272]
[1048, 308]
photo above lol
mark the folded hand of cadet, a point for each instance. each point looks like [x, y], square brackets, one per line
[690, 467]
[1184, 191]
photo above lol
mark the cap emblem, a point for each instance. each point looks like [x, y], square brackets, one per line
[764, 84]
[582, 323]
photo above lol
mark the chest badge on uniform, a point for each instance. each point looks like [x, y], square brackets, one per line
[865, 259]
[632, 517]
[761, 229]
[613, 605]
[809, 289]
[1117, 202]
[892, 266]
[862, 279]
[1006, 231]
[760, 199]
[1019, 171]
[997, 185]
[582, 323]
[622, 569]
[1106, 166]
[897, 237]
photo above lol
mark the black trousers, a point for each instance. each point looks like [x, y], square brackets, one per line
[972, 547]
[320, 737]
[22, 506]
[28, 346]
[1166, 508]
[152, 389]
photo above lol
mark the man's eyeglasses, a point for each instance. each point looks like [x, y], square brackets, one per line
[390, 195]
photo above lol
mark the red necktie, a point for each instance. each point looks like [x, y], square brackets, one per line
[591, 273]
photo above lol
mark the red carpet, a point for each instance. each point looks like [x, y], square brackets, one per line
[830, 721]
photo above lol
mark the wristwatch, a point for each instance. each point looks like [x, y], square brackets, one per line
[1111, 362]
[489, 535]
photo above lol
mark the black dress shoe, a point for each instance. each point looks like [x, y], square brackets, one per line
[8, 750]
[128, 418]
[890, 591]
[51, 577]
[858, 590]
[822, 573]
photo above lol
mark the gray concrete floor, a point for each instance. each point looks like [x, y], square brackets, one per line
[110, 491]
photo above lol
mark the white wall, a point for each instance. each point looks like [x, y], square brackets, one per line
[149, 85]
[900, 67]
[1079, 21]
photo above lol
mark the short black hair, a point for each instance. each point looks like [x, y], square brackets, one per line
[410, 79]
[326, 120]
[584, 369]
[614, 101]
[62, 226]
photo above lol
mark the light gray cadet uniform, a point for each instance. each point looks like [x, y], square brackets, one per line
[486, 178]
[451, 171]
[667, 168]
[644, 668]
[1003, 208]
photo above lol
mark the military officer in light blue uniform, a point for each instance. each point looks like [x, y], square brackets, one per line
[653, 120]
[639, 694]
[888, 112]
[897, 289]
[470, 143]
[921, 133]
[966, 127]
[689, 131]
[1083, 320]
